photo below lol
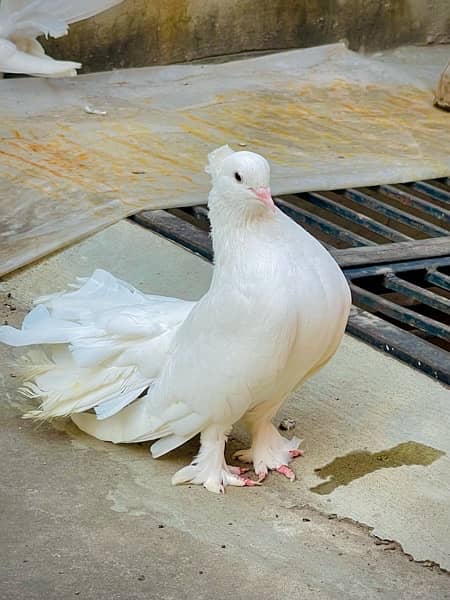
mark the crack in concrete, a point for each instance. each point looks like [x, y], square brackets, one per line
[387, 544]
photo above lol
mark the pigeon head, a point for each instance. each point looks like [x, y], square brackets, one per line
[240, 180]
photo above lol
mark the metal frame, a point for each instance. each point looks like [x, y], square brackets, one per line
[393, 244]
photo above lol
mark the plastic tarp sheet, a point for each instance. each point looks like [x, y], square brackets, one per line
[325, 118]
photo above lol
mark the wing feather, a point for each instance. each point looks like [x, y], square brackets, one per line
[29, 19]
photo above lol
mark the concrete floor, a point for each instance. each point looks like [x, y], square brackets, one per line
[82, 518]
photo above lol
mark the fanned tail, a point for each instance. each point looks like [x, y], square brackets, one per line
[65, 389]
[99, 346]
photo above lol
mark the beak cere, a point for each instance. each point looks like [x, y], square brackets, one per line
[264, 194]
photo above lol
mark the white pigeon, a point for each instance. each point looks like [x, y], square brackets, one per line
[22, 21]
[156, 368]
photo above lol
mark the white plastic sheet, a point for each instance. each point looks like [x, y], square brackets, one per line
[325, 118]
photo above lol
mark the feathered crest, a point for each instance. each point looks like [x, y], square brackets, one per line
[216, 158]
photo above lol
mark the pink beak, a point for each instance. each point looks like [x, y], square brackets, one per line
[264, 194]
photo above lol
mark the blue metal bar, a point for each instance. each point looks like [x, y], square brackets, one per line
[376, 304]
[414, 201]
[411, 265]
[432, 190]
[355, 217]
[439, 279]
[392, 282]
[394, 213]
[307, 218]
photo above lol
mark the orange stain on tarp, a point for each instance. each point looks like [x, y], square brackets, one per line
[291, 125]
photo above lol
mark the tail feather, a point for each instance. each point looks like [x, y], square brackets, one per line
[40, 327]
[166, 444]
[64, 391]
[131, 424]
[98, 346]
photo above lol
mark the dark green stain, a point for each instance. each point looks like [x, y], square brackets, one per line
[345, 469]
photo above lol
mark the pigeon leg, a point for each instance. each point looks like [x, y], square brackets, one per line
[270, 451]
[209, 467]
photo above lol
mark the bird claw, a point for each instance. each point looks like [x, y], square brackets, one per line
[286, 471]
[261, 476]
[250, 482]
[261, 468]
[296, 453]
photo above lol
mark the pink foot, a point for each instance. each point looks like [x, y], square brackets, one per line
[239, 470]
[246, 481]
[262, 476]
[250, 482]
[296, 453]
[287, 472]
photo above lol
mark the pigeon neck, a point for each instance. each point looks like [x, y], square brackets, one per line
[235, 228]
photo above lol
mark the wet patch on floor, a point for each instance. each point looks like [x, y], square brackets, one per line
[345, 469]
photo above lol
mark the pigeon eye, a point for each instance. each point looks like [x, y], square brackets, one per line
[237, 177]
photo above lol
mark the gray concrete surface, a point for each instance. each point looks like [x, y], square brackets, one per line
[83, 518]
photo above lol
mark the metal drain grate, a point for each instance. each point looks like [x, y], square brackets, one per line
[393, 243]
